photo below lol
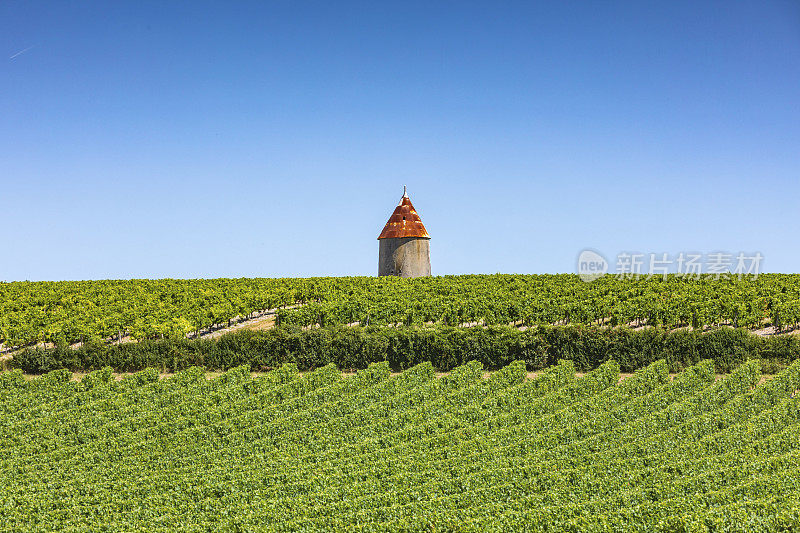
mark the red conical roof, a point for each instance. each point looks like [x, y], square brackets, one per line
[404, 222]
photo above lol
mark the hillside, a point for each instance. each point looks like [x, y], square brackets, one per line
[78, 311]
[383, 452]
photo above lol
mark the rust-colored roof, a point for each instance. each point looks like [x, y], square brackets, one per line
[404, 222]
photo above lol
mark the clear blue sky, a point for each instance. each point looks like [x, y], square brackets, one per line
[166, 139]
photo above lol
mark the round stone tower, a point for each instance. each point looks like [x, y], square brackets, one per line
[404, 243]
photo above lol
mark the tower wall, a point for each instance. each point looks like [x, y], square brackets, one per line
[407, 257]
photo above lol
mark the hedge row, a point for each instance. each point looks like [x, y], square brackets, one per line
[445, 347]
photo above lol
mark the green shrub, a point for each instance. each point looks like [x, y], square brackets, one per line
[445, 347]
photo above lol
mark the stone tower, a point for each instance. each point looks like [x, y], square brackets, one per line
[404, 243]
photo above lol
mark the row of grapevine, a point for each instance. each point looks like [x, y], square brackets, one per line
[558, 299]
[77, 311]
[443, 346]
[322, 451]
[74, 311]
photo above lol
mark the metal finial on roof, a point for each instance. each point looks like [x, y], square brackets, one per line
[405, 194]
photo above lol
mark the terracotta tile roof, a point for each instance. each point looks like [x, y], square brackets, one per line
[404, 222]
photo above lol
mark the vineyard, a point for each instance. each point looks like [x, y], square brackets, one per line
[76, 311]
[377, 451]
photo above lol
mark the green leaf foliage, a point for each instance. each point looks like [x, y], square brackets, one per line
[409, 451]
[87, 311]
[445, 347]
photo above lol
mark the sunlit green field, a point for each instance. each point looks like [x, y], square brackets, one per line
[410, 451]
[77, 311]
